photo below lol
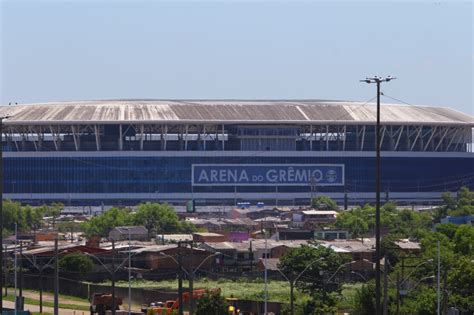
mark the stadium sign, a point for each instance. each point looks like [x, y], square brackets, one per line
[267, 174]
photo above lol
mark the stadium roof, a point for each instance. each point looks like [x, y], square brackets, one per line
[228, 111]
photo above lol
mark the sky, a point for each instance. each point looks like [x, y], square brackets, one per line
[84, 50]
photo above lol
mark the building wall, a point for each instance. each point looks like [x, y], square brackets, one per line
[67, 175]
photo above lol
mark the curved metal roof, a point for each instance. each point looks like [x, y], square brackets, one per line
[228, 111]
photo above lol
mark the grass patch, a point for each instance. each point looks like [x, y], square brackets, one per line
[61, 296]
[348, 293]
[31, 301]
[278, 291]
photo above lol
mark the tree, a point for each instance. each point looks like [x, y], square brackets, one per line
[461, 285]
[357, 220]
[324, 202]
[464, 240]
[54, 211]
[364, 300]
[420, 301]
[354, 223]
[102, 224]
[33, 217]
[160, 218]
[13, 213]
[76, 262]
[448, 229]
[212, 304]
[322, 263]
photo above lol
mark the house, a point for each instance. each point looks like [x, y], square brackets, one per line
[44, 252]
[357, 249]
[45, 235]
[219, 225]
[166, 257]
[211, 225]
[136, 233]
[467, 219]
[330, 234]
[272, 264]
[294, 234]
[237, 213]
[243, 256]
[208, 237]
[311, 218]
[408, 247]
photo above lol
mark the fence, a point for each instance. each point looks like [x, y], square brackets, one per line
[77, 288]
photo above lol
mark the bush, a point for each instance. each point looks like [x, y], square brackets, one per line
[76, 262]
[212, 304]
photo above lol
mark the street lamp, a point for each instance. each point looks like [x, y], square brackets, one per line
[377, 80]
[112, 273]
[191, 276]
[129, 270]
[191, 281]
[360, 275]
[1, 204]
[413, 271]
[339, 268]
[293, 281]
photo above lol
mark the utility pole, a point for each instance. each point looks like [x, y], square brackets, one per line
[266, 273]
[113, 277]
[292, 298]
[438, 295]
[398, 293]
[180, 279]
[129, 271]
[56, 278]
[21, 275]
[385, 286]
[6, 272]
[16, 267]
[445, 292]
[250, 258]
[191, 282]
[377, 80]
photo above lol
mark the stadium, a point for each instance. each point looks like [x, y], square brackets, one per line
[222, 152]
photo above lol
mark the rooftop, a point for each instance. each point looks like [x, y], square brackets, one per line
[228, 111]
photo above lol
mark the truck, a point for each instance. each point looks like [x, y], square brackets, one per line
[102, 302]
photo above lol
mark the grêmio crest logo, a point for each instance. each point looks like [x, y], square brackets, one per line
[267, 174]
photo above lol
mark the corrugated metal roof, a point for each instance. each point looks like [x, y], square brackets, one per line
[228, 111]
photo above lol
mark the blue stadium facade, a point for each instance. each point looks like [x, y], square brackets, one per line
[224, 152]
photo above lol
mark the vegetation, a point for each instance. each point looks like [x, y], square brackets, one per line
[157, 218]
[360, 220]
[324, 202]
[456, 256]
[212, 304]
[76, 262]
[318, 267]
[27, 218]
[243, 288]
[30, 301]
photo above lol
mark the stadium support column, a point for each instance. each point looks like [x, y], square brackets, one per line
[142, 136]
[377, 80]
[120, 138]
[223, 140]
